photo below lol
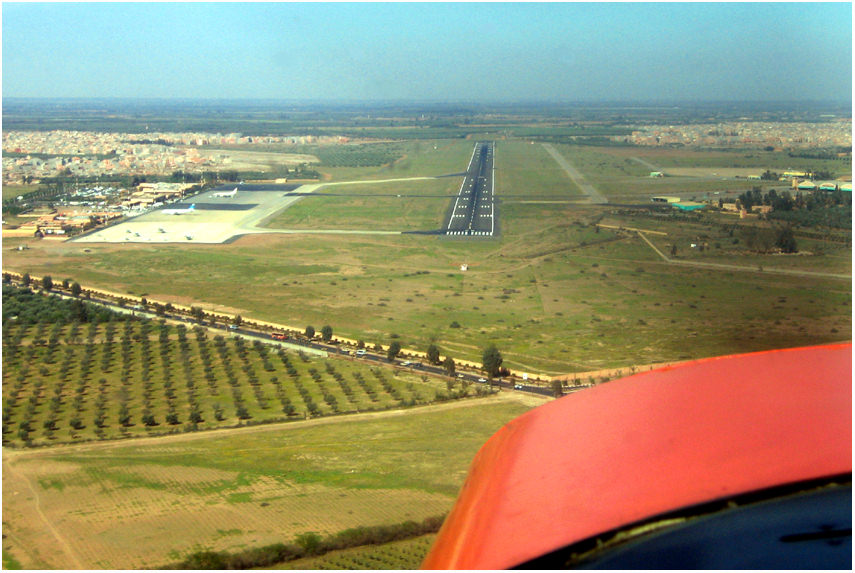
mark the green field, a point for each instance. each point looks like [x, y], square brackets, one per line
[145, 504]
[296, 444]
[555, 292]
[418, 205]
[525, 171]
[418, 158]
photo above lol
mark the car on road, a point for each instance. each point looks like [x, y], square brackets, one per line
[360, 352]
[518, 386]
[482, 380]
[734, 462]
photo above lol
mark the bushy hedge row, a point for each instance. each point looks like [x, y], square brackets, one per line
[308, 545]
[836, 216]
[33, 308]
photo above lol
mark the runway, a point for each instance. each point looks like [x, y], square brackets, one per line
[474, 211]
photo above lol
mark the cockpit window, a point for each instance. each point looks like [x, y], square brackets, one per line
[804, 530]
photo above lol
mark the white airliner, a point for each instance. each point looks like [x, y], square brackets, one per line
[190, 209]
[227, 194]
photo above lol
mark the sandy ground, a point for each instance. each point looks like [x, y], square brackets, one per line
[728, 172]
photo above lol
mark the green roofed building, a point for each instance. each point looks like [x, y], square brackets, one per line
[688, 206]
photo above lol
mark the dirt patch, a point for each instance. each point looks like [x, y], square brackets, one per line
[259, 239]
[712, 172]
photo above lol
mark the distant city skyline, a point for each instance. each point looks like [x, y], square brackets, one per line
[497, 52]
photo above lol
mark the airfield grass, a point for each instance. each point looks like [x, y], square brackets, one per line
[527, 171]
[394, 206]
[148, 503]
[556, 293]
[418, 158]
[12, 191]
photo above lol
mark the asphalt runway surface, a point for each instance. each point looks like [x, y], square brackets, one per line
[474, 209]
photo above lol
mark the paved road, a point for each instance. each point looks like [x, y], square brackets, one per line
[593, 195]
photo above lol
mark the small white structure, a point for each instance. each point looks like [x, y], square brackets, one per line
[464, 267]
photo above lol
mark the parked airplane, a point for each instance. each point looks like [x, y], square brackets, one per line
[189, 209]
[227, 194]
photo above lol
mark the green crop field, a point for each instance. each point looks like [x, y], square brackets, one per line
[351, 457]
[79, 382]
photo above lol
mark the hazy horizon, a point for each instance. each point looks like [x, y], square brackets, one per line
[563, 53]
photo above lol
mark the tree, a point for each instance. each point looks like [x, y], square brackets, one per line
[433, 354]
[449, 365]
[326, 333]
[198, 313]
[47, 282]
[557, 388]
[124, 415]
[237, 320]
[394, 350]
[786, 241]
[25, 279]
[310, 542]
[66, 283]
[310, 332]
[491, 360]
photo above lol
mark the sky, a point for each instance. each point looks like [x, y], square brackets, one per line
[445, 52]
